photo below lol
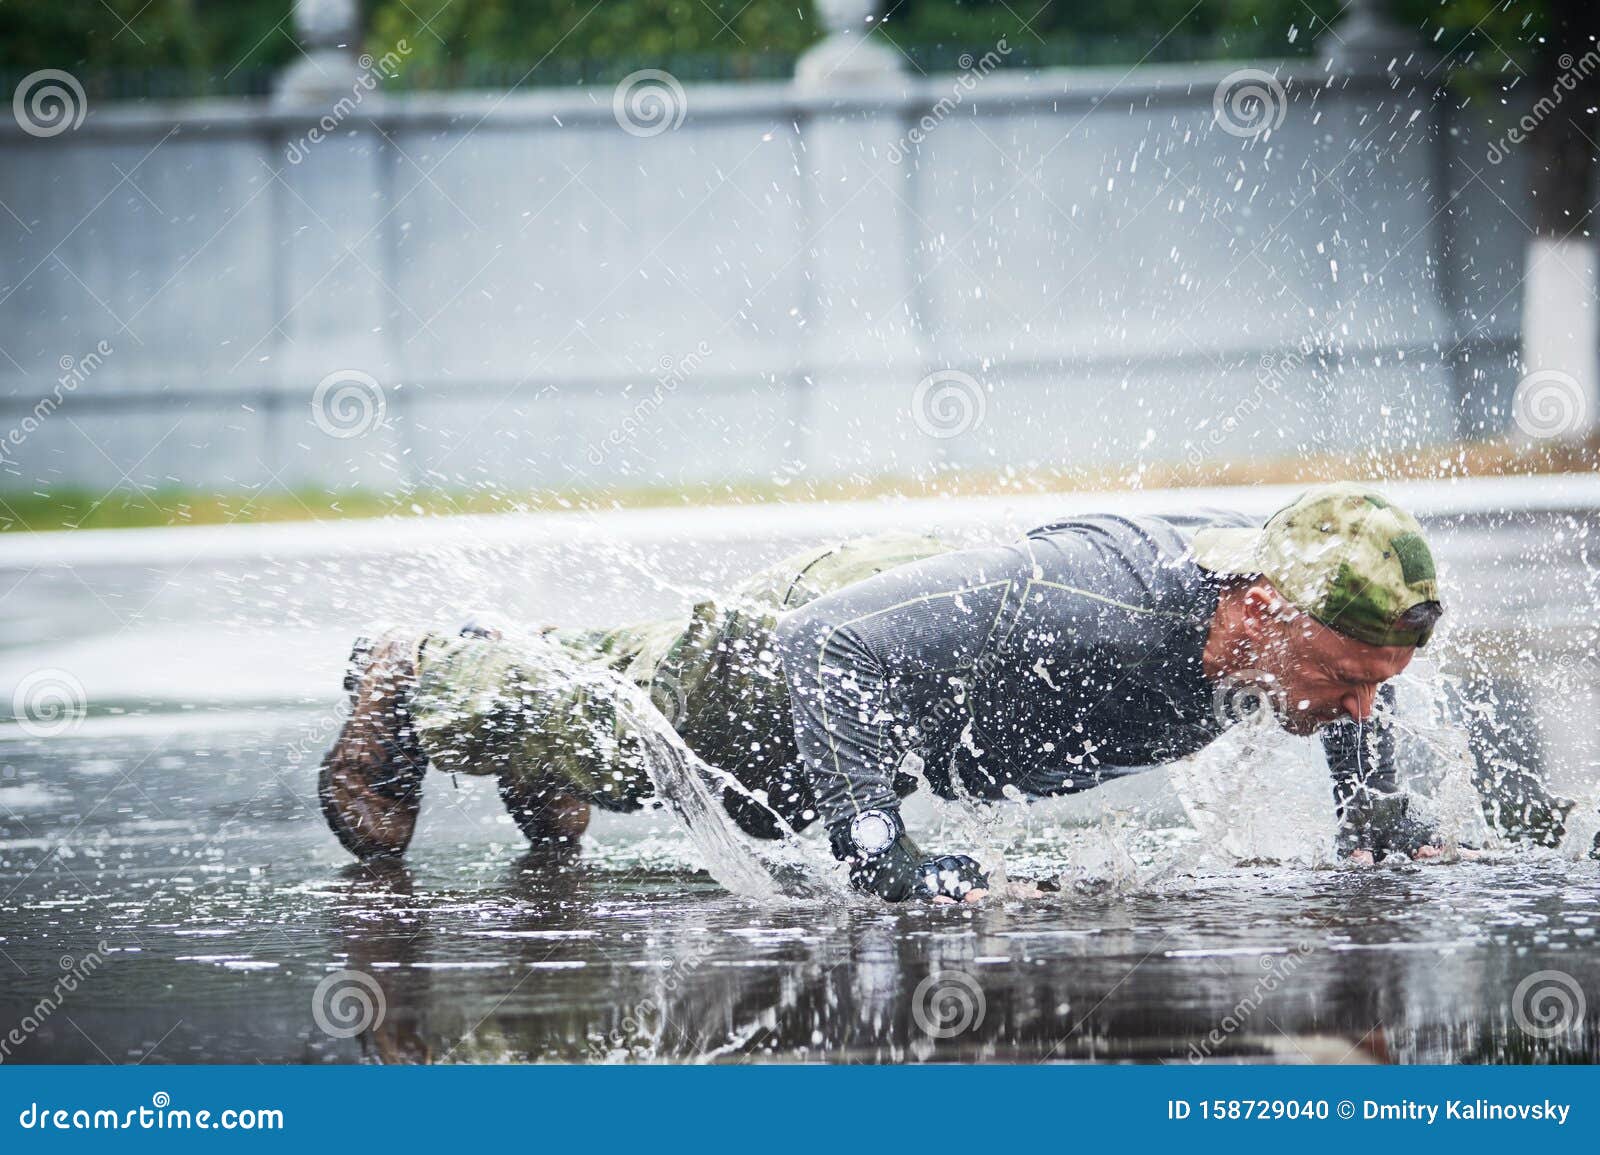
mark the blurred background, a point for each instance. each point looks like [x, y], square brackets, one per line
[269, 260]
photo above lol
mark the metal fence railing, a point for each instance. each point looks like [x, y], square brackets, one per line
[157, 83]
[469, 72]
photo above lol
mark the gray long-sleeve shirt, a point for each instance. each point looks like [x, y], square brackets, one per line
[1049, 664]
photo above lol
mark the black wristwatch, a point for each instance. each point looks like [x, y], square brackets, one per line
[882, 858]
[884, 861]
[869, 834]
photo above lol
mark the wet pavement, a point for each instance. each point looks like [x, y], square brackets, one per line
[211, 919]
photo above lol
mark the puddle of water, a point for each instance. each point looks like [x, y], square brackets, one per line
[479, 951]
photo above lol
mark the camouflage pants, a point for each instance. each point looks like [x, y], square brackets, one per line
[541, 711]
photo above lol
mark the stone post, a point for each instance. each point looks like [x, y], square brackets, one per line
[847, 56]
[1367, 40]
[329, 31]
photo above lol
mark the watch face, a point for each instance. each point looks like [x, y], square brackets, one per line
[872, 831]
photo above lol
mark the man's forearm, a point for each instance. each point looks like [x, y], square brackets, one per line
[869, 668]
[1361, 754]
[839, 696]
[1374, 814]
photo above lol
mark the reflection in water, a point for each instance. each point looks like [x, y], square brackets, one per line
[233, 921]
[385, 935]
[1387, 967]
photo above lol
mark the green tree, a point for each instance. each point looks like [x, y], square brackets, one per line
[199, 43]
[522, 33]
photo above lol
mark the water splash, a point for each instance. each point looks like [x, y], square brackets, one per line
[788, 867]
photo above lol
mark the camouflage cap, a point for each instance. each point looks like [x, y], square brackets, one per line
[1343, 554]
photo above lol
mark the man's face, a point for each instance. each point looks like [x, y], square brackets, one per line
[1323, 675]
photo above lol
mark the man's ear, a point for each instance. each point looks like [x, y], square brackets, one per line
[1260, 604]
[1266, 612]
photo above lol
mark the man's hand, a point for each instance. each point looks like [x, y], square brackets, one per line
[1374, 824]
[884, 861]
[1420, 854]
[897, 875]
[950, 879]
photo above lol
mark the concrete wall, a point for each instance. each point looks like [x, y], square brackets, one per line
[544, 298]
